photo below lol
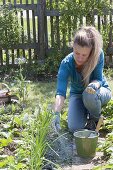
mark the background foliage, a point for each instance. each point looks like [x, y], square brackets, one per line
[10, 29]
[74, 14]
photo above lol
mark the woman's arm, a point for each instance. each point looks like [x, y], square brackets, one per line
[59, 102]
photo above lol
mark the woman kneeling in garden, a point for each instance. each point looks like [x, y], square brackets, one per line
[89, 90]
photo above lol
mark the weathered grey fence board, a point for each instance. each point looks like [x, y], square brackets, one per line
[26, 6]
[34, 30]
[13, 59]
[28, 32]
[7, 57]
[22, 24]
[41, 26]
[110, 36]
[110, 51]
[51, 12]
[34, 26]
[1, 58]
[54, 12]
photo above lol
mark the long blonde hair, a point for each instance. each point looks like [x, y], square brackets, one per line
[89, 36]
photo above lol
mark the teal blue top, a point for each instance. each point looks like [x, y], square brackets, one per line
[68, 70]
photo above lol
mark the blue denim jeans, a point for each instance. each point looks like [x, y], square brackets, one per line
[80, 105]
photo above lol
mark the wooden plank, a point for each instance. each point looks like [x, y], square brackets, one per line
[12, 55]
[41, 25]
[110, 51]
[7, 57]
[52, 12]
[52, 31]
[26, 6]
[104, 10]
[28, 30]
[24, 46]
[15, 2]
[99, 24]
[104, 21]
[34, 26]
[46, 32]
[69, 29]
[81, 16]
[110, 35]
[1, 57]
[57, 28]
[52, 26]
[22, 24]
[74, 21]
[111, 27]
[64, 39]
[57, 31]
[34, 29]
[18, 53]
[28, 23]
[4, 2]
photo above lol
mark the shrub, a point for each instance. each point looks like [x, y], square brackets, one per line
[10, 30]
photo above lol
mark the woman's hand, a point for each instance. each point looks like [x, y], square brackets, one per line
[56, 122]
[92, 87]
[90, 90]
[59, 101]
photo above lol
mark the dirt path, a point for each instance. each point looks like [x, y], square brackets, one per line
[65, 155]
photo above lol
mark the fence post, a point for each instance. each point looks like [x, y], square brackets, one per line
[1, 57]
[41, 26]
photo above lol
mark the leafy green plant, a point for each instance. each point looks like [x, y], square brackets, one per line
[107, 110]
[108, 73]
[39, 129]
[10, 29]
[22, 84]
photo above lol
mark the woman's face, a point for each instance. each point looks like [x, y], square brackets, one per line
[81, 54]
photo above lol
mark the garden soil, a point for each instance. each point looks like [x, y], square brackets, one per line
[65, 155]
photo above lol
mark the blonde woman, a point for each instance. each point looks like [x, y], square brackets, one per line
[89, 90]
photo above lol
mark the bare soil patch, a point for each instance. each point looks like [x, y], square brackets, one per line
[65, 154]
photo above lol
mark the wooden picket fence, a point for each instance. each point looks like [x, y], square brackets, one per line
[39, 28]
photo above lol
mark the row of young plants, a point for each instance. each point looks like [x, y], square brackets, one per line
[23, 141]
[24, 128]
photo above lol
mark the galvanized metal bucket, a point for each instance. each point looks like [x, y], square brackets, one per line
[86, 142]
